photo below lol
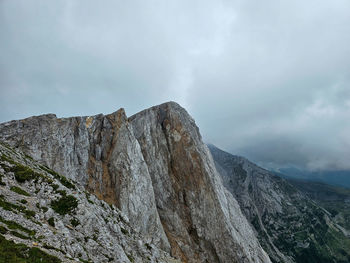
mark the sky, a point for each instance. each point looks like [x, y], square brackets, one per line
[269, 80]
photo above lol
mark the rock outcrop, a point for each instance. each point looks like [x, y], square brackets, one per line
[201, 218]
[101, 153]
[45, 217]
[155, 168]
[290, 226]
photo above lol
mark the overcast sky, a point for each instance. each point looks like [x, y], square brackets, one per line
[269, 80]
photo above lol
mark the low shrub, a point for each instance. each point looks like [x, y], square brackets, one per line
[51, 221]
[65, 205]
[19, 190]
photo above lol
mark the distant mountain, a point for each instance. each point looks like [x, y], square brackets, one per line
[338, 178]
[290, 226]
[333, 198]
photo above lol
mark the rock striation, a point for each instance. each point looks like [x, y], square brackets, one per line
[290, 226]
[45, 217]
[155, 168]
[101, 153]
[202, 220]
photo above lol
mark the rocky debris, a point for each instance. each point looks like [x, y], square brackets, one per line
[202, 220]
[290, 226]
[42, 209]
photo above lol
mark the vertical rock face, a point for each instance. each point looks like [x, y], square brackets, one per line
[202, 220]
[156, 169]
[101, 153]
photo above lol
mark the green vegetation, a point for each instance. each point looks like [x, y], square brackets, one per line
[44, 208]
[19, 190]
[55, 187]
[332, 198]
[6, 158]
[16, 234]
[51, 221]
[8, 206]
[13, 207]
[148, 246]
[48, 246]
[20, 253]
[29, 213]
[130, 257]
[88, 197]
[310, 239]
[124, 231]
[61, 192]
[3, 230]
[23, 201]
[13, 225]
[65, 205]
[75, 222]
[66, 182]
[23, 173]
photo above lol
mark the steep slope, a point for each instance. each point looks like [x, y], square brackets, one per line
[202, 220]
[101, 153]
[172, 175]
[290, 226]
[334, 199]
[45, 217]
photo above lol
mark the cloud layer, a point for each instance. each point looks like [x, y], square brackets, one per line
[266, 79]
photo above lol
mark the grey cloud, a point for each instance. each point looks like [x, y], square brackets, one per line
[265, 79]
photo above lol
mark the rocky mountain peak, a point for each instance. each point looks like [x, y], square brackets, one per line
[155, 168]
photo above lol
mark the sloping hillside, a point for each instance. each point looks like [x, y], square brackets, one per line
[334, 199]
[290, 226]
[45, 217]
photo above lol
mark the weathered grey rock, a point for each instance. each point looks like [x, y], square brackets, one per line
[101, 153]
[290, 226]
[153, 166]
[101, 232]
[201, 218]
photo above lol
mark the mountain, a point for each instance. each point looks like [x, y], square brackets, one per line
[154, 168]
[335, 199]
[45, 217]
[336, 178]
[290, 226]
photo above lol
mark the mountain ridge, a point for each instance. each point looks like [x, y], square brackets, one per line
[291, 227]
[155, 168]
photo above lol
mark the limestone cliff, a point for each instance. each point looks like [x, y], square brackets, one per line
[201, 219]
[101, 153]
[45, 217]
[156, 169]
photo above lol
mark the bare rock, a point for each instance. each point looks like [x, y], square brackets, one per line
[201, 218]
